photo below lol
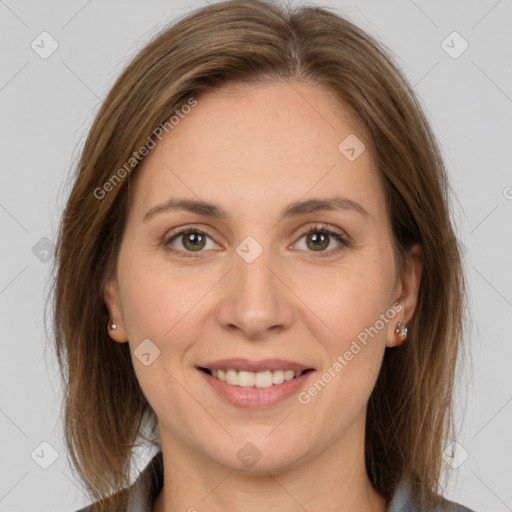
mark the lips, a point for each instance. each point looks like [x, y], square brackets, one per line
[247, 365]
[254, 384]
[256, 390]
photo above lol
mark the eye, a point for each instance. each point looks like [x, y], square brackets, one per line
[319, 238]
[193, 240]
[190, 239]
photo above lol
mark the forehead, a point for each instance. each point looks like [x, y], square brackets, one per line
[268, 142]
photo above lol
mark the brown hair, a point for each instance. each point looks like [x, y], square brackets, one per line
[410, 415]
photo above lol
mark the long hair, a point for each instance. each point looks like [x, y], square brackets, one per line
[410, 412]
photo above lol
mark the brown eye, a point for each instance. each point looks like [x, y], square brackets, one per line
[193, 241]
[188, 241]
[317, 241]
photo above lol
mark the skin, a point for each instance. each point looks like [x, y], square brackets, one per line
[254, 150]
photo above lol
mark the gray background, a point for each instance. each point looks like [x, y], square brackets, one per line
[47, 106]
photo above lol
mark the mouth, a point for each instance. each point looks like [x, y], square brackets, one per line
[247, 379]
[255, 384]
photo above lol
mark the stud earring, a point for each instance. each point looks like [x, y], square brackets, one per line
[113, 326]
[401, 331]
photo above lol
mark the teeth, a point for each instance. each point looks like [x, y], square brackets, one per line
[232, 377]
[250, 379]
[247, 379]
[278, 377]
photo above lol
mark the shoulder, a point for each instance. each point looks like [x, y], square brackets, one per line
[403, 501]
[116, 501]
[140, 496]
[451, 506]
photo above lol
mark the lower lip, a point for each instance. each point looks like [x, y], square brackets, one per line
[257, 398]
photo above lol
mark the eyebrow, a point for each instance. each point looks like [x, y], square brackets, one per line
[294, 209]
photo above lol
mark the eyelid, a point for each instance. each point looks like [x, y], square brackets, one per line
[340, 237]
[176, 233]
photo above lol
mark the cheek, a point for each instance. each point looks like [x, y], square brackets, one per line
[156, 306]
[154, 295]
[165, 304]
[352, 300]
[359, 313]
[356, 305]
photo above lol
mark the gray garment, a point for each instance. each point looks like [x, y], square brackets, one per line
[150, 482]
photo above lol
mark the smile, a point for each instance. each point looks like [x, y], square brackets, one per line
[246, 379]
[255, 390]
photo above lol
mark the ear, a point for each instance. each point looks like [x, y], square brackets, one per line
[113, 304]
[406, 292]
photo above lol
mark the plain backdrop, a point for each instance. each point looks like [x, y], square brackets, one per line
[46, 107]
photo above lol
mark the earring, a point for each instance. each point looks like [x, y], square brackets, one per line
[401, 331]
[113, 326]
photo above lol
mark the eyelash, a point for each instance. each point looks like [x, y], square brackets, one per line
[313, 229]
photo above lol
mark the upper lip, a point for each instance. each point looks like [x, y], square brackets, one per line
[255, 366]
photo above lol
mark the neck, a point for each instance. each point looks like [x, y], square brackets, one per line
[335, 480]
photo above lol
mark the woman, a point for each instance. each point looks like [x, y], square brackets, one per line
[257, 273]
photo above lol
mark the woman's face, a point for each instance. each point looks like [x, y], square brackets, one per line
[249, 283]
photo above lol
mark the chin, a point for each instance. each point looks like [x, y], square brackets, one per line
[252, 458]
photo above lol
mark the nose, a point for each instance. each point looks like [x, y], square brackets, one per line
[255, 299]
